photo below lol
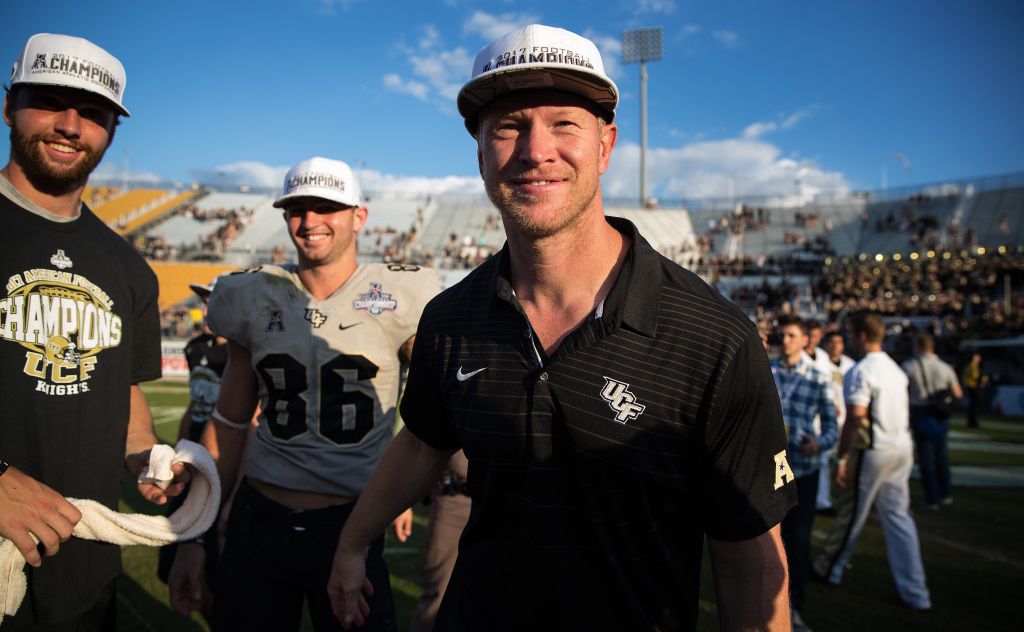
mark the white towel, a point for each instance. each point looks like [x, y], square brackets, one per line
[98, 522]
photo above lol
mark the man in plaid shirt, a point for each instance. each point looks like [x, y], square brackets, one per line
[805, 393]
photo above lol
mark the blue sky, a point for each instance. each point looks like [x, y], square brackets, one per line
[752, 97]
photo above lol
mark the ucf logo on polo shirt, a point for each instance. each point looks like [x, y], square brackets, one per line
[63, 320]
[621, 400]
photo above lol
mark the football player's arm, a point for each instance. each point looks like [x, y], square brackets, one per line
[751, 582]
[403, 523]
[405, 474]
[856, 420]
[141, 439]
[227, 434]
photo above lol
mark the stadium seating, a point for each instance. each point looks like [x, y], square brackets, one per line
[175, 277]
[142, 217]
[996, 217]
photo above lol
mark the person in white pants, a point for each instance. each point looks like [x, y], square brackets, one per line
[877, 431]
[836, 365]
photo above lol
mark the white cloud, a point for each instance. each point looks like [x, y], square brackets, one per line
[760, 128]
[717, 169]
[655, 6]
[111, 173]
[438, 72]
[253, 173]
[390, 186]
[431, 37]
[611, 52]
[490, 27]
[444, 70]
[396, 84]
[260, 175]
[727, 38]
[687, 30]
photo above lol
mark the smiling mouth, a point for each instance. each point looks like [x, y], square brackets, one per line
[62, 148]
[315, 237]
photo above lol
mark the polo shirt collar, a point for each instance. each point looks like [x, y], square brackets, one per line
[633, 298]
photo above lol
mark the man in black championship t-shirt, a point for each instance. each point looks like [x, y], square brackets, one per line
[79, 330]
[614, 409]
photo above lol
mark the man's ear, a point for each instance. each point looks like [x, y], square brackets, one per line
[360, 213]
[609, 135]
[8, 108]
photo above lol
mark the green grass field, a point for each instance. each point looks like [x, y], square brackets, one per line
[973, 551]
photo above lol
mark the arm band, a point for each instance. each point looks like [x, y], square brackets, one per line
[216, 414]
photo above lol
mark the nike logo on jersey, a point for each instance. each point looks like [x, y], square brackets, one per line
[343, 326]
[462, 377]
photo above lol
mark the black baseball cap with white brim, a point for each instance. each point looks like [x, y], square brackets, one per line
[537, 57]
[322, 178]
[71, 62]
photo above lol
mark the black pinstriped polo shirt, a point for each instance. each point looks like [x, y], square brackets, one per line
[595, 472]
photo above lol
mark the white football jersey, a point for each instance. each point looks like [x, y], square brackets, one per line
[328, 371]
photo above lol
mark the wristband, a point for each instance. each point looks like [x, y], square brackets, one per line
[3, 467]
[216, 414]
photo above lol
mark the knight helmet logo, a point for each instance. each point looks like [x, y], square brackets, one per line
[621, 400]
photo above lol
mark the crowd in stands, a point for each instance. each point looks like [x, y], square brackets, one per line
[229, 221]
[744, 218]
[390, 244]
[964, 291]
[155, 248]
[94, 196]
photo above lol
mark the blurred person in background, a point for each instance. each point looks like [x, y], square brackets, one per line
[931, 380]
[974, 379]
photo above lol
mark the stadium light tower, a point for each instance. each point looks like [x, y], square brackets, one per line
[642, 45]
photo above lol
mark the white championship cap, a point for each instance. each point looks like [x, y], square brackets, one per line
[321, 178]
[71, 62]
[536, 57]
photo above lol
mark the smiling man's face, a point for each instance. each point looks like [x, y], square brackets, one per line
[58, 135]
[541, 155]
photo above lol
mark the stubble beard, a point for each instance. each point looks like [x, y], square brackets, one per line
[514, 209]
[27, 153]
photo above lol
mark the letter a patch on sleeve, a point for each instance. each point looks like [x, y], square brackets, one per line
[783, 473]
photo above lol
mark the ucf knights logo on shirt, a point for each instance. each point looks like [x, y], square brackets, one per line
[63, 320]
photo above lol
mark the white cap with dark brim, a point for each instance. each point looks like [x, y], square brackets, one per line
[71, 62]
[322, 178]
[537, 57]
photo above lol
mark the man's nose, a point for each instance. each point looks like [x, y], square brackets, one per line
[68, 123]
[536, 145]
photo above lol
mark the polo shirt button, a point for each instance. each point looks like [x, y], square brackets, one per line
[543, 376]
[528, 333]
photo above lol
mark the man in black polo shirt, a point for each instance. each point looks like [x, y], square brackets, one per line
[614, 409]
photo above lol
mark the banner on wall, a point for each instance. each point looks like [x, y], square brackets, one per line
[173, 362]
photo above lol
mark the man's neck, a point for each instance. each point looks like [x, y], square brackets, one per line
[836, 359]
[872, 347]
[561, 279]
[793, 360]
[323, 280]
[65, 205]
